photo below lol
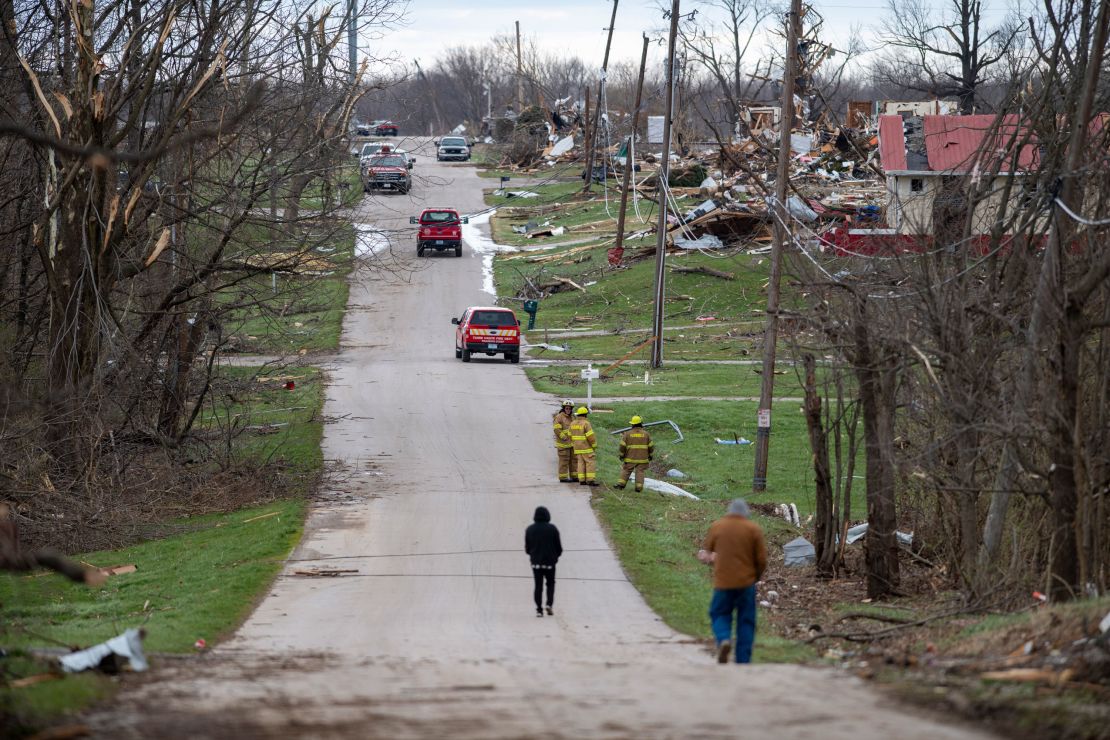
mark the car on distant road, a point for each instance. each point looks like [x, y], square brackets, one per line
[490, 330]
[386, 172]
[440, 229]
[452, 147]
[385, 128]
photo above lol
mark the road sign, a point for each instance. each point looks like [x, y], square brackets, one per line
[764, 419]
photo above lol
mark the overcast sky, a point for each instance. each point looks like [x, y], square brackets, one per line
[576, 27]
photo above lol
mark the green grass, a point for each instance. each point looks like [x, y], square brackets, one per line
[622, 299]
[292, 427]
[198, 584]
[712, 341]
[716, 472]
[677, 380]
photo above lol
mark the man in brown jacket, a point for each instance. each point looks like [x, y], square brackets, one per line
[738, 553]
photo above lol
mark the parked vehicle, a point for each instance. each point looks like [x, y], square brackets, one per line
[487, 329]
[385, 128]
[362, 129]
[386, 172]
[409, 159]
[371, 148]
[440, 229]
[452, 147]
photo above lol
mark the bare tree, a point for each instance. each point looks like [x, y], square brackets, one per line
[950, 51]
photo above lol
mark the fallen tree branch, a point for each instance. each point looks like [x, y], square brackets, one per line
[889, 631]
[705, 271]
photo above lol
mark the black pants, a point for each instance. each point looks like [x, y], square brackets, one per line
[541, 574]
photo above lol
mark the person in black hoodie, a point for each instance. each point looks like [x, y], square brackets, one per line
[541, 542]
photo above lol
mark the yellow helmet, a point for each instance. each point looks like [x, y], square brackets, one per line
[582, 411]
[635, 420]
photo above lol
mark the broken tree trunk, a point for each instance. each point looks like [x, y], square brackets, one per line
[826, 527]
[14, 558]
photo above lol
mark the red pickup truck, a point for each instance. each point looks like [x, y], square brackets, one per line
[488, 329]
[440, 229]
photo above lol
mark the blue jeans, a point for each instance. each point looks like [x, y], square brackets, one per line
[725, 602]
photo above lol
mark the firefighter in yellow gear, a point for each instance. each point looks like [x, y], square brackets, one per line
[563, 446]
[636, 451]
[585, 447]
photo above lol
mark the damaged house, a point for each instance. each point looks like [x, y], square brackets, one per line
[939, 166]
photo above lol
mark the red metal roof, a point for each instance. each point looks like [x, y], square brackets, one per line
[892, 143]
[963, 143]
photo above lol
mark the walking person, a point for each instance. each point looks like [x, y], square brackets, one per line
[636, 451]
[564, 448]
[585, 447]
[738, 553]
[541, 542]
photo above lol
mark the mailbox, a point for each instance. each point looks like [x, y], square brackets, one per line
[530, 307]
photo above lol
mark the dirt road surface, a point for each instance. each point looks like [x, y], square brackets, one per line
[436, 634]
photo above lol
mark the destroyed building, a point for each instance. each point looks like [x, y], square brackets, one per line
[934, 162]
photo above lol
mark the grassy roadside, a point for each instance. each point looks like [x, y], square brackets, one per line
[201, 579]
[201, 583]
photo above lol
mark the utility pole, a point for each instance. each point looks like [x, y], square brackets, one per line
[770, 336]
[352, 38]
[519, 74]
[664, 172]
[591, 145]
[628, 165]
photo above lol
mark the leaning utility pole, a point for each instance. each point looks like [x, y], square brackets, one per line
[519, 74]
[780, 214]
[591, 145]
[352, 39]
[664, 172]
[618, 248]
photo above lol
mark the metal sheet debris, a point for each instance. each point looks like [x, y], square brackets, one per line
[705, 241]
[799, 551]
[663, 487]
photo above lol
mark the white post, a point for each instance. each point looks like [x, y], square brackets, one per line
[588, 375]
[590, 387]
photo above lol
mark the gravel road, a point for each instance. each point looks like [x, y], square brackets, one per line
[436, 636]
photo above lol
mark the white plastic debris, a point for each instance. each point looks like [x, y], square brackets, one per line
[709, 184]
[675, 473]
[551, 347]
[798, 209]
[558, 231]
[789, 512]
[857, 532]
[1104, 625]
[562, 146]
[129, 645]
[663, 487]
[737, 441]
